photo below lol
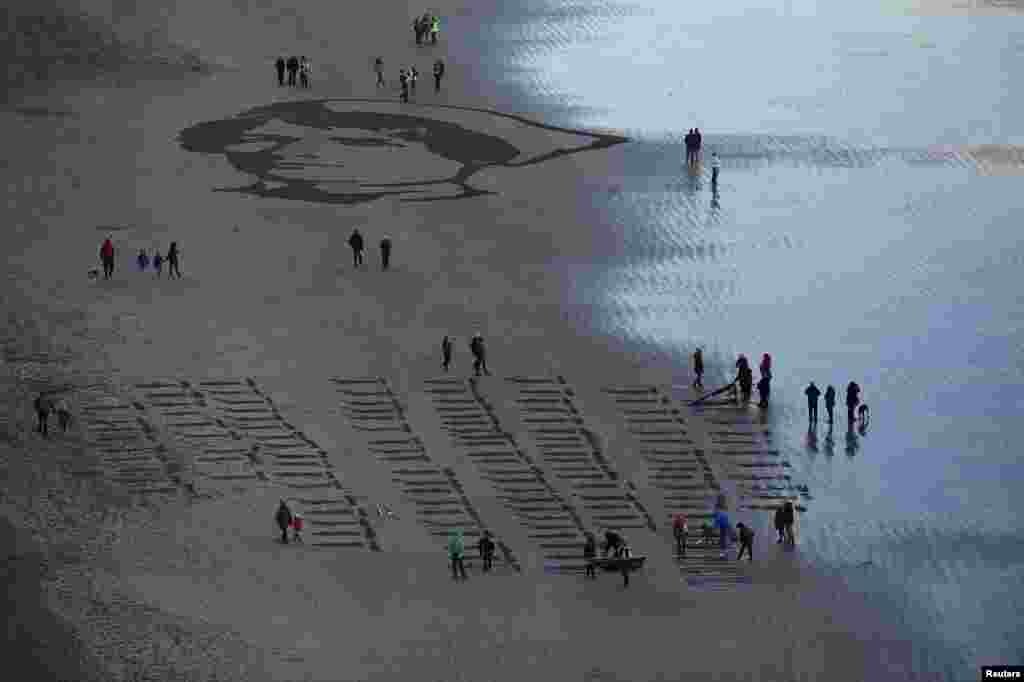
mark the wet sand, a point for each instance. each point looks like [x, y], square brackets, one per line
[202, 401]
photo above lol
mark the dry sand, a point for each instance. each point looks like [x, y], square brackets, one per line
[192, 583]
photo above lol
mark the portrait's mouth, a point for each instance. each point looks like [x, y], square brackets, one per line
[348, 151]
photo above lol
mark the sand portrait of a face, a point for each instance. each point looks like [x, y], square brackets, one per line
[352, 150]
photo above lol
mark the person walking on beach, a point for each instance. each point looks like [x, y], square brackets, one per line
[279, 66]
[788, 519]
[107, 258]
[297, 526]
[446, 353]
[780, 524]
[158, 262]
[284, 520]
[435, 29]
[456, 552]
[43, 407]
[715, 166]
[721, 520]
[688, 139]
[698, 369]
[385, 253]
[355, 241]
[812, 392]
[830, 402]
[143, 260]
[679, 531]
[403, 82]
[173, 264]
[852, 400]
[746, 541]
[63, 414]
[486, 548]
[305, 69]
[414, 76]
[590, 555]
[438, 74]
[476, 347]
[697, 141]
[378, 68]
[293, 69]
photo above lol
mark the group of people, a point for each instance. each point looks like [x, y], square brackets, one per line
[693, 141]
[614, 545]
[298, 68]
[358, 246]
[855, 409]
[457, 553]
[476, 348]
[289, 520]
[743, 384]
[107, 258]
[427, 24]
[785, 517]
[45, 405]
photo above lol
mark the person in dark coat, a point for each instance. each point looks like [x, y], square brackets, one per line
[746, 380]
[780, 523]
[746, 536]
[788, 519]
[486, 547]
[43, 408]
[279, 66]
[476, 347]
[403, 82]
[830, 401]
[852, 400]
[385, 253]
[812, 392]
[378, 67]
[293, 69]
[284, 520]
[698, 140]
[356, 242]
[143, 260]
[590, 555]
[438, 73]
[417, 28]
[446, 353]
[173, 264]
[764, 390]
[689, 146]
[698, 368]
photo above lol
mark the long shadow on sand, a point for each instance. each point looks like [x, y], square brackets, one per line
[265, 154]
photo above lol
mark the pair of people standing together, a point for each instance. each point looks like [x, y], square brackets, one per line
[476, 347]
[424, 25]
[356, 243]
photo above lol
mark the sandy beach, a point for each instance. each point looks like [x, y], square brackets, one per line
[140, 545]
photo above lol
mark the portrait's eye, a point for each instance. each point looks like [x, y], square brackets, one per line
[352, 150]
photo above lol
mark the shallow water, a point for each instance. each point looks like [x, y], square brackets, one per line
[866, 227]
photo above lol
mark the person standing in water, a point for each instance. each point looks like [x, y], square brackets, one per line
[852, 400]
[446, 353]
[173, 264]
[830, 402]
[812, 392]
[698, 369]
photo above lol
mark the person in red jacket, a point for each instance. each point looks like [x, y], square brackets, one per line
[107, 258]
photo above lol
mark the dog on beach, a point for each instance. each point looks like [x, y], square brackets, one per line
[94, 273]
